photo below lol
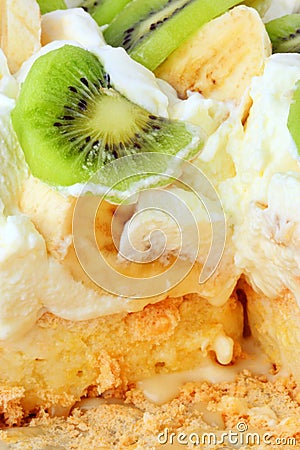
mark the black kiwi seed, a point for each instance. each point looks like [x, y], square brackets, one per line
[72, 89]
[152, 117]
[107, 79]
[115, 151]
[87, 139]
[84, 81]
[68, 117]
[82, 105]
[57, 124]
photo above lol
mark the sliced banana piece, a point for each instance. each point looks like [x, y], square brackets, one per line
[220, 60]
[20, 30]
[35, 198]
[52, 214]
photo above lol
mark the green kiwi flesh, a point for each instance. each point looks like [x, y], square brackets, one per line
[152, 29]
[294, 117]
[132, 16]
[103, 11]
[51, 5]
[284, 34]
[71, 122]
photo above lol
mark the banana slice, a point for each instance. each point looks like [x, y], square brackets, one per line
[59, 229]
[220, 60]
[20, 29]
[52, 214]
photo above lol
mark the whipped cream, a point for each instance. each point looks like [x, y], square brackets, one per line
[266, 210]
[22, 249]
[13, 169]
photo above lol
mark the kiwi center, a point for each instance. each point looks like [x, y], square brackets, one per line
[117, 118]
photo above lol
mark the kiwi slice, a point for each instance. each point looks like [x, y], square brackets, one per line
[51, 5]
[71, 121]
[103, 11]
[284, 34]
[152, 29]
[294, 117]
